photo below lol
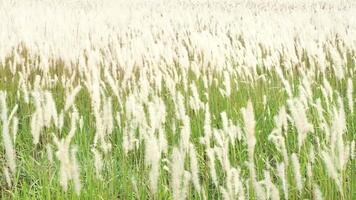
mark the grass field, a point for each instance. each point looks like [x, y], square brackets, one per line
[177, 99]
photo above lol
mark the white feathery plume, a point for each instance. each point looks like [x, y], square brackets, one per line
[207, 127]
[225, 122]
[25, 93]
[329, 90]
[271, 188]
[186, 181]
[108, 122]
[15, 125]
[311, 155]
[156, 112]
[152, 160]
[194, 100]
[179, 104]
[194, 168]
[281, 119]
[118, 119]
[9, 148]
[352, 149]
[60, 120]
[279, 141]
[185, 134]
[75, 171]
[337, 63]
[98, 163]
[81, 123]
[225, 194]
[37, 120]
[162, 141]
[104, 125]
[227, 84]
[257, 187]
[108, 118]
[50, 110]
[318, 195]
[177, 169]
[69, 169]
[309, 173]
[7, 176]
[300, 120]
[342, 148]
[349, 95]
[237, 183]
[12, 113]
[297, 172]
[75, 174]
[211, 163]
[109, 79]
[250, 123]
[285, 82]
[281, 171]
[331, 169]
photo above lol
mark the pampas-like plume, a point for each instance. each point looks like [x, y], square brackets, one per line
[318, 195]
[234, 185]
[15, 126]
[177, 170]
[211, 163]
[328, 89]
[44, 114]
[98, 163]
[194, 168]
[250, 123]
[207, 127]
[104, 125]
[152, 160]
[279, 141]
[49, 110]
[300, 120]
[60, 120]
[297, 172]
[7, 176]
[69, 169]
[194, 101]
[339, 150]
[9, 148]
[349, 95]
[331, 169]
[157, 113]
[186, 180]
[237, 183]
[75, 171]
[281, 171]
[352, 149]
[71, 97]
[257, 187]
[271, 188]
[285, 82]
[37, 118]
[185, 133]
[227, 84]
[180, 107]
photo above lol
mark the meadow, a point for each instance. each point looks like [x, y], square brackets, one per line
[177, 99]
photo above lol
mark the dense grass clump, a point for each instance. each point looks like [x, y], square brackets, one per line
[177, 100]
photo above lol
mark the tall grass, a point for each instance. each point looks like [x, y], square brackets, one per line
[177, 99]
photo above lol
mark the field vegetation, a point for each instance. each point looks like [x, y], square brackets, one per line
[177, 99]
